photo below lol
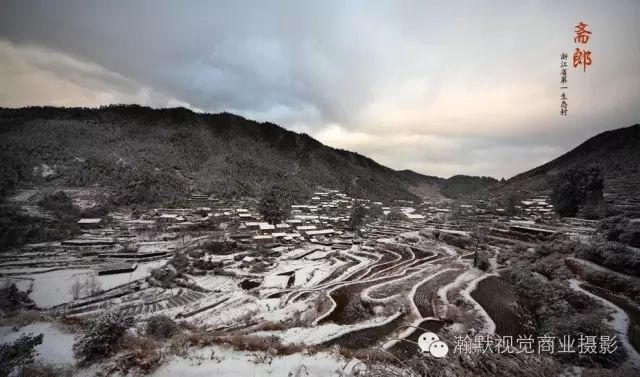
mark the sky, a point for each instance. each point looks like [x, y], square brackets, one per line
[442, 88]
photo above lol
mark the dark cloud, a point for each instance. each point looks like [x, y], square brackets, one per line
[466, 87]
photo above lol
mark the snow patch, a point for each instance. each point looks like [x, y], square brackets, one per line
[56, 344]
[323, 333]
[218, 361]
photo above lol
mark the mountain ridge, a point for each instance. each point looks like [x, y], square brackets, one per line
[617, 155]
[118, 146]
[588, 151]
[148, 155]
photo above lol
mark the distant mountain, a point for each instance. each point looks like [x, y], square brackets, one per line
[616, 152]
[155, 155]
[460, 186]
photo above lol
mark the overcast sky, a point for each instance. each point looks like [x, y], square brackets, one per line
[467, 87]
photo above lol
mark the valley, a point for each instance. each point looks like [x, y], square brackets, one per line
[312, 283]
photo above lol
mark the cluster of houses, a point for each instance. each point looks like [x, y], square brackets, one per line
[537, 207]
[323, 217]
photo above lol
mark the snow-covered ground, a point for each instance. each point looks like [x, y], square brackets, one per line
[489, 324]
[620, 322]
[24, 270]
[323, 333]
[22, 284]
[307, 271]
[460, 281]
[56, 344]
[412, 294]
[111, 281]
[53, 288]
[218, 361]
[216, 282]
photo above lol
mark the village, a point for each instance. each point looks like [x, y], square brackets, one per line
[309, 280]
[117, 253]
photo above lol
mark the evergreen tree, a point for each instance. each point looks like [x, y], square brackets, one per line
[577, 187]
[275, 205]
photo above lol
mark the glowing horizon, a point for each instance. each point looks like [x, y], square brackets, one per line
[439, 89]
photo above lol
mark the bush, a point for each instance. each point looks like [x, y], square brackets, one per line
[614, 283]
[161, 327]
[99, 210]
[559, 311]
[18, 354]
[206, 224]
[12, 299]
[613, 255]
[456, 240]
[101, 336]
[358, 217]
[180, 262]
[258, 267]
[552, 266]
[620, 229]
[44, 369]
[164, 276]
[396, 216]
[137, 356]
[220, 247]
[206, 265]
[511, 204]
[61, 205]
[483, 262]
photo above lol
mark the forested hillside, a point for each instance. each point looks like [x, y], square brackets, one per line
[615, 153]
[151, 155]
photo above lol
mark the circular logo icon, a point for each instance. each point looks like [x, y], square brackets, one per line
[438, 349]
[425, 340]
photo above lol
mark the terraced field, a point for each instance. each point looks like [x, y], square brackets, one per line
[367, 337]
[362, 297]
[501, 303]
[630, 308]
[407, 348]
[414, 276]
[350, 308]
[426, 292]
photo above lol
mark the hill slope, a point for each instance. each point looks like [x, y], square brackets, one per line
[151, 155]
[617, 152]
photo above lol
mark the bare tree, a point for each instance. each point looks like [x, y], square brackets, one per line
[479, 234]
[76, 289]
[93, 286]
